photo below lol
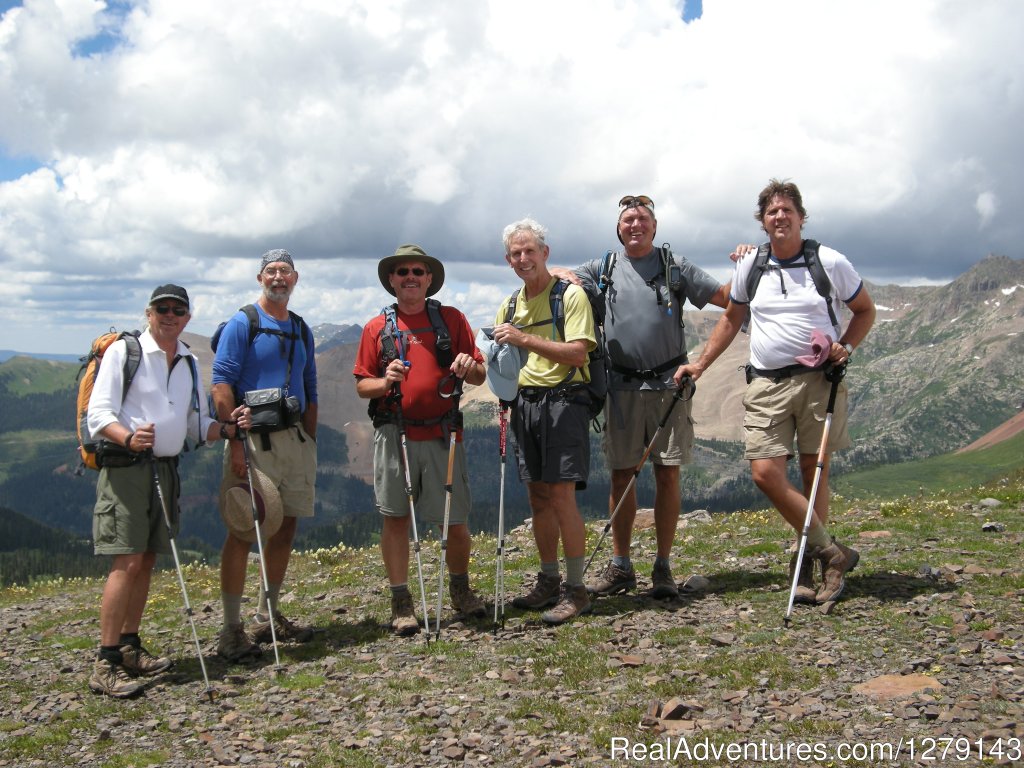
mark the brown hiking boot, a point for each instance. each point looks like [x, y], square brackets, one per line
[403, 616]
[836, 561]
[612, 580]
[234, 645]
[543, 594]
[575, 601]
[664, 584]
[111, 679]
[285, 630]
[805, 592]
[139, 661]
[464, 600]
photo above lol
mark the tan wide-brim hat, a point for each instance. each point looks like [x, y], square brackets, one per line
[236, 506]
[411, 253]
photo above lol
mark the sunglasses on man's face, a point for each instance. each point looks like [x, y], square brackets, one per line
[403, 271]
[632, 201]
[163, 309]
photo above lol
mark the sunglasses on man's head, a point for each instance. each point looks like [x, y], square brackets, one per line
[163, 309]
[632, 201]
[403, 271]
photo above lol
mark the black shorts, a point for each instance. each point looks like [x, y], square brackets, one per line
[551, 436]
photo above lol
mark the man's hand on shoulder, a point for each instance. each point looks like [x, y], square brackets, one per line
[564, 273]
[741, 250]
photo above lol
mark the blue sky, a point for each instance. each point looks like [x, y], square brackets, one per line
[144, 143]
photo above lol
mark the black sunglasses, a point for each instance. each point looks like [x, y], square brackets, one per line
[632, 201]
[403, 271]
[163, 309]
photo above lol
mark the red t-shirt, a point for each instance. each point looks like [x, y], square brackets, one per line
[420, 400]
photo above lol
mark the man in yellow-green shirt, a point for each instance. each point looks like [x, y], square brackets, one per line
[550, 419]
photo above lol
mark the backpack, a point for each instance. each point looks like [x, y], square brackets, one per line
[597, 388]
[92, 450]
[253, 316]
[813, 265]
[670, 270]
[392, 347]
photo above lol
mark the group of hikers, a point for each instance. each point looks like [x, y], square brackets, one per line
[412, 362]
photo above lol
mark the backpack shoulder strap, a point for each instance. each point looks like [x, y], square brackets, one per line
[557, 301]
[442, 338]
[820, 277]
[757, 270]
[510, 308]
[132, 359]
[604, 281]
[254, 321]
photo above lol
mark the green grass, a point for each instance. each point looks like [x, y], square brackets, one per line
[949, 472]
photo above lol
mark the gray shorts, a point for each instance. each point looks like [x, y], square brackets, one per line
[776, 412]
[632, 417]
[428, 471]
[128, 518]
[290, 464]
[551, 437]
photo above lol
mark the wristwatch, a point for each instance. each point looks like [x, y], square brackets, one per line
[849, 349]
[224, 430]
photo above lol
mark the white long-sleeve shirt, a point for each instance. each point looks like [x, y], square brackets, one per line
[159, 394]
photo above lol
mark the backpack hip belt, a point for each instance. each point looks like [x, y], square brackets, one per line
[777, 374]
[650, 373]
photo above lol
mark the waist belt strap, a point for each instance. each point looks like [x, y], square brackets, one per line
[650, 373]
[779, 373]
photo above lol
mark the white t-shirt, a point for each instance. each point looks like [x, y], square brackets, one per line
[787, 307]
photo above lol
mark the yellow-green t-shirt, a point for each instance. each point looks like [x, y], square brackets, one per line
[534, 317]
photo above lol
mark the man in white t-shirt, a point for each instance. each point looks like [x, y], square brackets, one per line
[785, 397]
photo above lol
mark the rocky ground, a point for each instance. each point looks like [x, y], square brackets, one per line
[924, 654]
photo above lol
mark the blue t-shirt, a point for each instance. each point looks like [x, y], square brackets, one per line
[265, 363]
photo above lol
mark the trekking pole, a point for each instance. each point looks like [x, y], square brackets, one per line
[499, 569]
[397, 396]
[684, 392]
[454, 395]
[259, 547]
[181, 577]
[835, 375]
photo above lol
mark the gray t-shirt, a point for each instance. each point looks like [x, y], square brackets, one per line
[639, 331]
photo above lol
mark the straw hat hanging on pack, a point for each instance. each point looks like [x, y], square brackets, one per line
[236, 506]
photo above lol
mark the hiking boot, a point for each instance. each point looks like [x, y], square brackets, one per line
[805, 592]
[464, 600]
[612, 580]
[574, 601]
[664, 584]
[836, 561]
[111, 679]
[285, 630]
[234, 645]
[139, 661]
[403, 616]
[543, 594]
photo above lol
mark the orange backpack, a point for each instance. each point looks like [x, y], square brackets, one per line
[89, 448]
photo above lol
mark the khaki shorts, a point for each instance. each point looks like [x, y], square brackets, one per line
[128, 518]
[290, 464]
[428, 470]
[793, 407]
[632, 416]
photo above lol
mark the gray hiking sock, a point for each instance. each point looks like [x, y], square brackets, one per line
[574, 570]
[232, 608]
[818, 536]
[398, 589]
[623, 562]
[458, 578]
[549, 569]
[271, 596]
[663, 562]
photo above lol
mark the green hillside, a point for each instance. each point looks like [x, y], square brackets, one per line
[936, 473]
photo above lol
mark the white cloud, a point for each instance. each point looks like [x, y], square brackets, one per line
[181, 139]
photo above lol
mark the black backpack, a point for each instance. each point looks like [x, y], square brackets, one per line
[393, 348]
[253, 316]
[810, 262]
[670, 270]
[597, 388]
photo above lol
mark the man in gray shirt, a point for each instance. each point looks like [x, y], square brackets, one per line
[645, 288]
